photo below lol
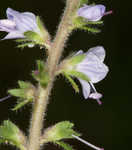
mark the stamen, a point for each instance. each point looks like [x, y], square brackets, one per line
[87, 143]
[93, 87]
[5, 98]
[95, 94]
[108, 12]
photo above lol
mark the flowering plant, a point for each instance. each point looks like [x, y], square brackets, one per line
[88, 67]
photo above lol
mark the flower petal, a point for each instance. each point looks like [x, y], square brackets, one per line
[92, 12]
[93, 68]
[7, 25]
[99, 51]
[13, 35]
[24, 21]
[85, 88]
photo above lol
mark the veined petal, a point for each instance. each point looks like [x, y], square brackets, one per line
[93, 68]
[92, 12]
[85, 88]
[7, 24]
[98, 51]
[24, 21]
[13, 35]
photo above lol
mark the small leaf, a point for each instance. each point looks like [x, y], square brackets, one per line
[74, 85]
[64, 145]
[9, 133]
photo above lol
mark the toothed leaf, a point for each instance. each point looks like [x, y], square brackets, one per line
[9, 133]
[61, 130]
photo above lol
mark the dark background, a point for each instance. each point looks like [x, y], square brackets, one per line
[106, 126]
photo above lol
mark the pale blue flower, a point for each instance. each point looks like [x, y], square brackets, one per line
[92, 12]
[17, 23]
[94, 68]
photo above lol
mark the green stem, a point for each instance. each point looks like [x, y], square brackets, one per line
[39, 107]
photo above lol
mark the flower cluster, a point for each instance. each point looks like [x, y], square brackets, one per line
[88, 67]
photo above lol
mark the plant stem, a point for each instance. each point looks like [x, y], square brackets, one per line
[39, 106]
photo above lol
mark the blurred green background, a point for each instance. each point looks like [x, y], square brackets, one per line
[105, 126]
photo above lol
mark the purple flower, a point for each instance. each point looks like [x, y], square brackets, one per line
[17, 23]
[93, 67]
[92, 12]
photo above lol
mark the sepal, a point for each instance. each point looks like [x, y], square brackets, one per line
[41, 74]
[73, 83]
[60, 131]
[25, 94]
[83, 24]
[31, 38]
[77, 74]
[64, 145]
[10, 133]
[83, 2]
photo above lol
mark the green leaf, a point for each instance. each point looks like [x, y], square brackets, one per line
[62, 130]
[64, 145]
[78, 75]
[74, 85]
[9, 133]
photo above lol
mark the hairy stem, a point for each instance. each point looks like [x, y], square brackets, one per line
[39, 107]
